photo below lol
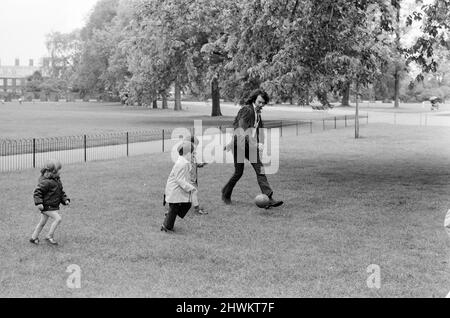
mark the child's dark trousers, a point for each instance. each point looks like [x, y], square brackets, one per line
[176, 209]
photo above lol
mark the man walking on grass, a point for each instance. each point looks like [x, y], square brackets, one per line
[248, 141]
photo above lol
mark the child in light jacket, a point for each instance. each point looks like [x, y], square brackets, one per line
[179, 190]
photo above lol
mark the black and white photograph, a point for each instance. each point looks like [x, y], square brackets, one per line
[224, 154]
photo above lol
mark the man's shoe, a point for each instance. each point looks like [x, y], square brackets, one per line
[226, 200]
[274, 203]
[164, 229]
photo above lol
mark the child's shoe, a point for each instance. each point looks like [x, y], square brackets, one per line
[51, 241]
[200, 210]
[34, 241]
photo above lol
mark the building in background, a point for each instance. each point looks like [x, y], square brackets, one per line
[13, 79]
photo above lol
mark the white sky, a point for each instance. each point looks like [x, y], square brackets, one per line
[24, 24]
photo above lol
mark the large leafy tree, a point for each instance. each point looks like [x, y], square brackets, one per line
[116, 76]
[153, 55]
[291, 47]
[169, 46]
[435, 35]
[63, 49]
[98, 45]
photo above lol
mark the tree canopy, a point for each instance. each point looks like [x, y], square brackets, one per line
[295, 49]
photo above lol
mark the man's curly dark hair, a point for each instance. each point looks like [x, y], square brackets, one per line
[254, 95]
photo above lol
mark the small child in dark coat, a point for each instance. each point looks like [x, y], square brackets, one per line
[48, 196]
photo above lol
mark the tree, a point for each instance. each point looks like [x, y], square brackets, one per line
[63, 49]
[435, 29]
[99, 45]
[397, 6]
[292, 47]
[346, 94]
[150, 68]
[34, 82]
[166, 47]
[431, 84]
[100, 17]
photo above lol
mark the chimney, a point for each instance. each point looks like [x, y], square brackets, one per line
[17, 62]
[31, 62]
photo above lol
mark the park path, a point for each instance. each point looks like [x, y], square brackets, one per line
[390, 116]
[434, 119]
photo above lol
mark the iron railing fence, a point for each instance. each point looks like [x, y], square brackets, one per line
[20, 154]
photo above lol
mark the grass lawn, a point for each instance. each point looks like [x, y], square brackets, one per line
[350, 203]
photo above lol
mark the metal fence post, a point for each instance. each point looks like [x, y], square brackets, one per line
[335, 122]
[163, 140]
[128, 153]
[297, 127]
[34, 152]
[281, 134]
[323, 124]
[367, 119]
[85, 148]
[345, 119]
[310, 126]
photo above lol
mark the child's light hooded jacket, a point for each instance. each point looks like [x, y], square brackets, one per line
[179, 187]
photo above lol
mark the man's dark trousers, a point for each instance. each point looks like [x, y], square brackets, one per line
[239, 171]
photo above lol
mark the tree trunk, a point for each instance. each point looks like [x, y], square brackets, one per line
[164, 100]
[215, 95]
[155, 104]
[397, 70]
[177, 96]
[307, 96]
[346, 95]
[397, 89]
[357, 112]
[323, 97]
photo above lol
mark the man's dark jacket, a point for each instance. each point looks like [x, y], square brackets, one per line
[246, 119]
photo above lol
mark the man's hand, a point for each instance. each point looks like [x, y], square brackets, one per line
[260, 147]
[40, 207]
[227, 147]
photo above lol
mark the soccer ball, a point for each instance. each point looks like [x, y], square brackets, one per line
[262, 200]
